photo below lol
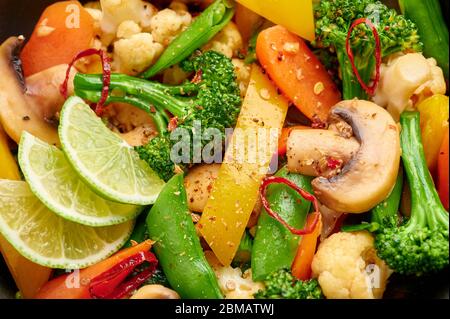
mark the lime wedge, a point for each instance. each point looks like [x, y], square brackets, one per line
[105, 162]
[53, 180]
[49, 240]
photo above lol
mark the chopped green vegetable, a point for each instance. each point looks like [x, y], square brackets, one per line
[419, 245]
[244, 252]
[177, 245]
[283, 285]
[275, 246]
[333, 20]
[428, 17]
[203, 29]
[213, 99]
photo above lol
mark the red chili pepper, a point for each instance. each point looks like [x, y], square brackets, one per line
[198, 77]
[173, 124]
[106, 66]
[333, 163]
[111, 285]
[370, 90]
[307, 196]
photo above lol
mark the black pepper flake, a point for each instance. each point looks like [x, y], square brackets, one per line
[26, 118]
[280, 56]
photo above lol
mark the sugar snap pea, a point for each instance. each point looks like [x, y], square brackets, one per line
[203, 29]
[177, 245]
[274, 246]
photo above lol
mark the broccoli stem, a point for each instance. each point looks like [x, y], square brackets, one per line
[160, 95]
[160, 119]
[426, 207]
[386, 212]
[350, 86]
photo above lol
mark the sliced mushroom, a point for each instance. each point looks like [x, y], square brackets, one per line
[43, 91]
[155, 292]
[24, 108]
[310, 152]
[198, 185]
[370, 175]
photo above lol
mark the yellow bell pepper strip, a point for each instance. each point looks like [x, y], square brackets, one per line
[434, 123]
[297, 16]
[29, 277]
[235, 190]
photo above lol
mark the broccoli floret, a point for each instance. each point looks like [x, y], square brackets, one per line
[212, 98]
[333, 21]
[157, 154]
[282, 285]
[420, 244]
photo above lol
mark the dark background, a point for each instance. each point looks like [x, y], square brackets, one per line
[19, 17]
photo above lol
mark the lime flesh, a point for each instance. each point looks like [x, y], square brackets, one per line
[49, 240]
[53, 180]
[106, 163]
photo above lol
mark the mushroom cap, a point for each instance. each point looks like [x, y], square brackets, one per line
[16, 114]
[369, 177]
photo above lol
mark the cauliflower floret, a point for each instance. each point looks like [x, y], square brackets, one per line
[233, 283]
[242, 75]
[93, 5]
[127, 29]
[174, 75]
[347, 267]
[406, 80]
[167, 24]
[134, 55]
[117, 11]
[228, 41]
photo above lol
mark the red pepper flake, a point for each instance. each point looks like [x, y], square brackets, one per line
[333, 163]
[369, 89]
[317, 123]
[111, 284]
[307, 196]
[198, 77]
[106, 67]
[173, 124]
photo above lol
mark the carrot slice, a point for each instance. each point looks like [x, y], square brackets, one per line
[63, 286]
[297, 72]
[301, 267]
[64, 29]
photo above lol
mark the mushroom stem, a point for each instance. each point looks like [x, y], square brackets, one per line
[309, 152]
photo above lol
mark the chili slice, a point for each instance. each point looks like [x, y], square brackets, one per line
[307, 196]
[369, 89]
[106, 67]
[111, 285]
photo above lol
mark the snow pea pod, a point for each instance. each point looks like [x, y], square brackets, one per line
[203, 29]
[177, 245]
[274, 246]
